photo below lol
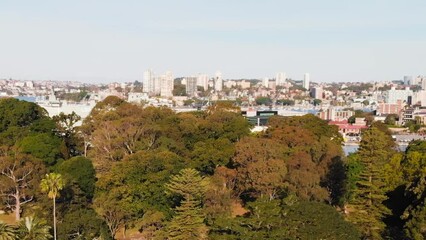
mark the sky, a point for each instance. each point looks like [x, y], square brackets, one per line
[110, 40]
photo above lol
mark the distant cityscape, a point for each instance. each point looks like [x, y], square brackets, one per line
[334, 102]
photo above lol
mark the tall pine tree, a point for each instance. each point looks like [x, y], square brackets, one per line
[188, 223]
[366, 209]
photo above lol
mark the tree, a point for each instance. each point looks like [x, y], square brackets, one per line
[188, 223]
[14, 112]
[285, 102]
[82, 223]
[312, 154]
[79, 170]
[263, 101]
[53, 183]
[135, 186]
[66, 129]
[43, 146]
[209, 154]
[391, 119]
[113, 215]
[260, 167]
[413, 178]
[307, 219]
[286, 219]
[367, 210]
[19, 178]
[7, 232]
[316, 102]
[32, 228]
[366, 102]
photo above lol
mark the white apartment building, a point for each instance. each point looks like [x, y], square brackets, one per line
[203, 81]
[306, 81]
[191, 86]
[393, 95]
[317, 92]
[280, 79]
[265, 82]
[166, 84]
[218, 83]
[148, 81]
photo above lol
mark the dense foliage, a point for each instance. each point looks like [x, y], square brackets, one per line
[146, 172]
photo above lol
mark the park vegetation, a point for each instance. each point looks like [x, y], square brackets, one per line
[150, 173]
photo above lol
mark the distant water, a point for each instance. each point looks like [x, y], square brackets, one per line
[26, 98]
[348, 149]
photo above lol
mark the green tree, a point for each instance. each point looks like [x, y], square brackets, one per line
[32, 228]
[14, 112]
[52, 184]
[7, 232]
[188, 223]
[260, 167]
[391, 119]
[263, 101]
[285, 102]
[79, 170]
[19, 179]
[43, 146]
[307, 219]
[135, 186]
[316, 102]
[82, 223]
[209, 154]
[312, 149]
[66, 129]
[367, 210]
[415, 227]
[285, 219]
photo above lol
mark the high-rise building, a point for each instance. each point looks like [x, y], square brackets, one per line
[148, 81]
[191, 86]
[203, 81]
[306, 81]
[393, 95]
[265, 82]
[167, 84]
[280, 79]
[423, 82]
[316, 92]
[408, 80]
[218, 83]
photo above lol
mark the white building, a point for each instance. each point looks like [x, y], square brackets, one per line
[191, 86]
[265, 82]
[280, 79]
[419, 97]
[317, 92]
[203, 81]
[393, 95]
[166, 84]
[306, 81]
[137, 97]
[148, 81]
[29, 84]
[218, 83]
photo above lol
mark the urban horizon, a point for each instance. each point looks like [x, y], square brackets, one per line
[334, 41]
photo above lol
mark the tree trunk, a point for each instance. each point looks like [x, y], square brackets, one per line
[54, 217]
[17, 207]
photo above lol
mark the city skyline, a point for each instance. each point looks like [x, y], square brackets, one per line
[105, 41]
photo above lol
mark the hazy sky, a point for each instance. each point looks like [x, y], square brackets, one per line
[102, 41]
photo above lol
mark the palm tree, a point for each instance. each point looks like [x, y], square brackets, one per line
[52, 184]
[31, 228]
[7, 232]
